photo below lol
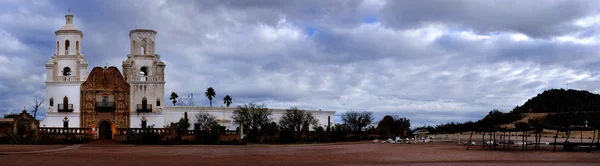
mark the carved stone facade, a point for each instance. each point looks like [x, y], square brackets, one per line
[105, 98]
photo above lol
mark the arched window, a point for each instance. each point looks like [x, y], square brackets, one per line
[77, 46]
[51, 101]
[144, 71]
[67, 44]
[57, 47]
[157, 102]
[143, 50]
[66, 71]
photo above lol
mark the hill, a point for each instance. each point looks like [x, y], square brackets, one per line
[554, 107]
[560, 100]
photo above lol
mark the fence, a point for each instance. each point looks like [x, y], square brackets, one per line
[171, 136]
[49, 135]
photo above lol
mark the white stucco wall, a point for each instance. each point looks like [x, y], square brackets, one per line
[173, 114]
[152, 92]
[55, 119]
[59, 90]
[156, 119]
[50, 73]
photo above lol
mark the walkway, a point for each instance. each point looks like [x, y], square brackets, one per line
[44, 151]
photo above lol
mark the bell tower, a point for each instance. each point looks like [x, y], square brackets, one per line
[67, 63]
[65, 72]
[144, 71]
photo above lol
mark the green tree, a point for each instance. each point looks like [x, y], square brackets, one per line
[385, 125]
[252, 116]
[269, 129]
[174, 97]
[10, 115]
[206, 120]
[356, 121]
[227, 100]
[295, 119]
[210, 93]
[183, 124]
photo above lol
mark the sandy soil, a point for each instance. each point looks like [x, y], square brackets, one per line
[361, 153]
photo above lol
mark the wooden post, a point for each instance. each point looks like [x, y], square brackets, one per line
[469, 143]
[581, 136]
[483, 140]
[526, 135]
[556, 136]
[534, 139]
[593, 137]
[538, 139]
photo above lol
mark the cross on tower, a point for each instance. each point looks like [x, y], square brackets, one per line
[69, 10]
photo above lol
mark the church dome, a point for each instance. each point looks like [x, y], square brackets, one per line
[67, 27]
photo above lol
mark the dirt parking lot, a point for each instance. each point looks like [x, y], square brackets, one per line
[357, 153]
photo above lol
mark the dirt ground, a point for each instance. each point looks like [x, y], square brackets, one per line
[357, 153]
[26, 148]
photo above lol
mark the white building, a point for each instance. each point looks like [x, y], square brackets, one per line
[142, 78]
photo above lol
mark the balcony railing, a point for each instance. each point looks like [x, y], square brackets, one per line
[145, 78]
[66, 78]
[105, 107]
[144, 108]
[61, 108]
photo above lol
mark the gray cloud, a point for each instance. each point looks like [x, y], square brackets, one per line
[435, 65]
[534, 18]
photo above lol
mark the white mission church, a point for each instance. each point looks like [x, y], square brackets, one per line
[105, 98]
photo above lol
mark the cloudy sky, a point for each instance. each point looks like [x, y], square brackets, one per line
[431, 61]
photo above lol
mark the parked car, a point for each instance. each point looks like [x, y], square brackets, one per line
[391, 141]
[491, 143]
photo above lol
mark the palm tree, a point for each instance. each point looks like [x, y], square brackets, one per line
[174, 97]
[227, 100]
[210, 93]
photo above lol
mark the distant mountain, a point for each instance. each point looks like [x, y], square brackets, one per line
[560, 100]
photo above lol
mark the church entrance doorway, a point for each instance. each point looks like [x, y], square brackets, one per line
[105, 130]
